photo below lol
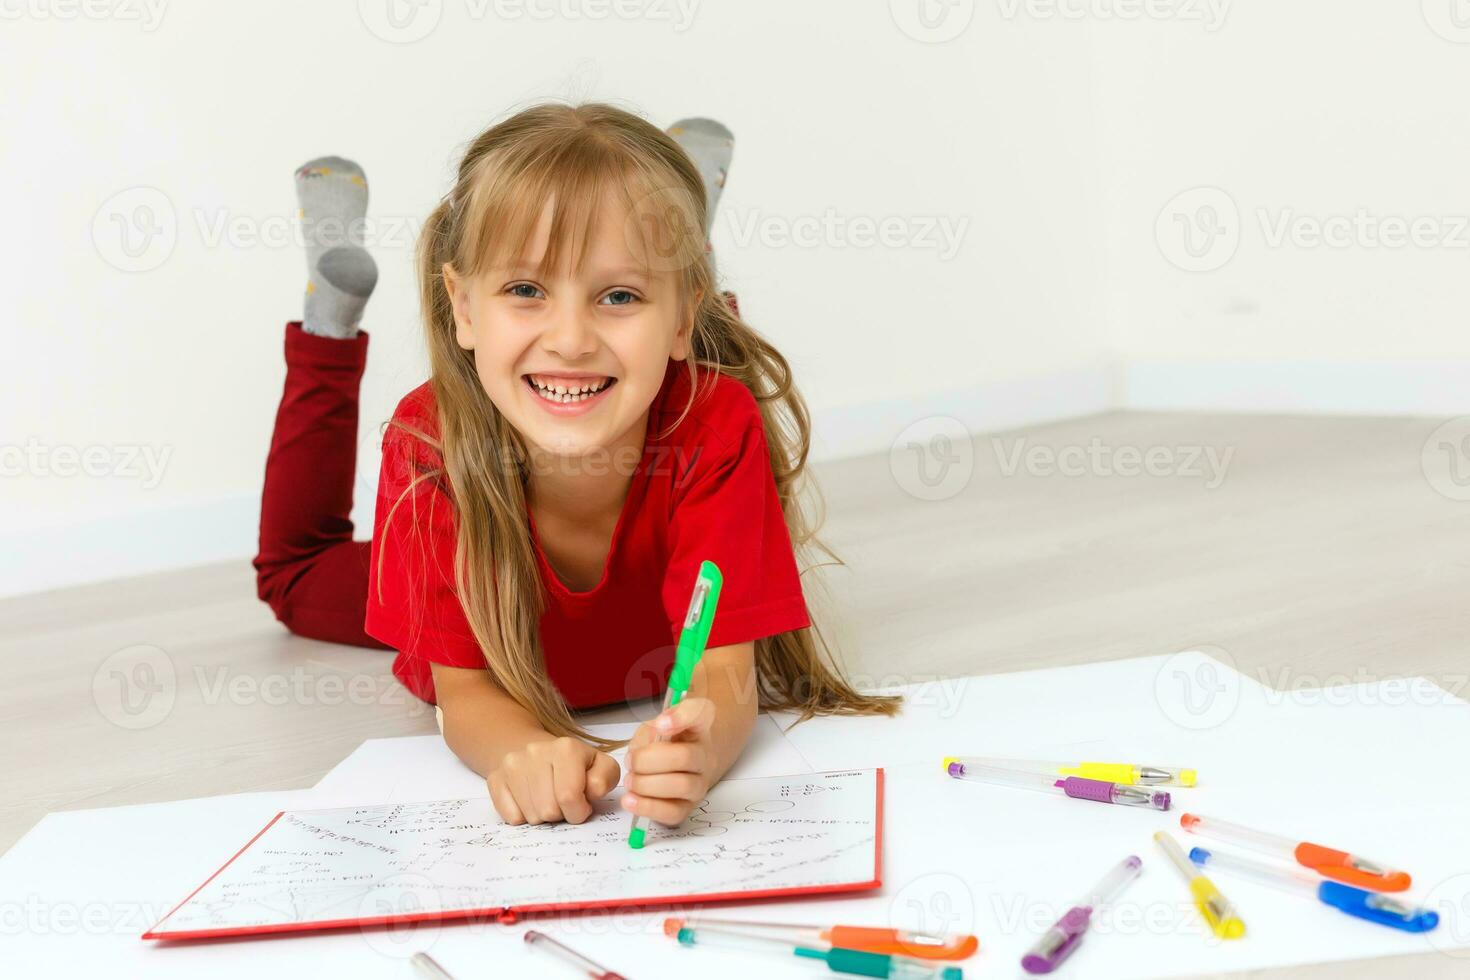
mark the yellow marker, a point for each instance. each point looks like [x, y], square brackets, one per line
[1127, 773]
[1123, 772]
[1218, 911]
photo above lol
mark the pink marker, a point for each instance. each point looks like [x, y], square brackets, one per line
[1061, 939]
[540, 940]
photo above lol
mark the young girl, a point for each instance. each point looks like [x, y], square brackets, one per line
[598, 421]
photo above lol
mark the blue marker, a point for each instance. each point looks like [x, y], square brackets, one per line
[1372, 906]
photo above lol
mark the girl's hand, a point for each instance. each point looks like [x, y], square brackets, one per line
[550, 780]
[668, 779]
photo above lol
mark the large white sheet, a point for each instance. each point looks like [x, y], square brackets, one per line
[1372, 769]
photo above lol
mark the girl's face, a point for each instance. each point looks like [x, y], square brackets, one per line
[574, 360]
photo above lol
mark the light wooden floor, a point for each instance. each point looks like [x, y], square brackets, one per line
[1325, 550]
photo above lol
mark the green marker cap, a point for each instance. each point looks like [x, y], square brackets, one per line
[697, 623]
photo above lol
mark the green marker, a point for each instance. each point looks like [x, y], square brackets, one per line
[692, 638]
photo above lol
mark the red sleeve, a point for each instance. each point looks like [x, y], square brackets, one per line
[729, 513]
[412, 602]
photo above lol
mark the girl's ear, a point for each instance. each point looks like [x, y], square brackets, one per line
[683, 339]
[459, 300]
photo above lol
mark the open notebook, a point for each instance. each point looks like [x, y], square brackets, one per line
[454, 859]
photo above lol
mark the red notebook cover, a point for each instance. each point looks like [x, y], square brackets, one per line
[807, 834]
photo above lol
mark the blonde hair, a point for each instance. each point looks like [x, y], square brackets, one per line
[568, 157]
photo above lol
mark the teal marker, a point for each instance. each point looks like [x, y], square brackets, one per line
[692, 638]
[838, 959]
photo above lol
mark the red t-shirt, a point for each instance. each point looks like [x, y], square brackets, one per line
[703, 491]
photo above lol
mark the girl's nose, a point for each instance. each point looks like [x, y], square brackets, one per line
[570, 335]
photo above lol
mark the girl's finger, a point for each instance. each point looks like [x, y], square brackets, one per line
[602, 776]
[520, 789]
[668, 757]
[681, 786]
[543, 794]
[569, 788]
[505, 802]
[671, 813]
[643, 735]
[691, 717]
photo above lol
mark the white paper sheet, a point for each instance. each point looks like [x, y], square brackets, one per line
[421, 767]
[81, 886]
[1184, 709]
[391, 861]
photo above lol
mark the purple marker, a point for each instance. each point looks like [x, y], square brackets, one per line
[1063, 938]
[1074, 786]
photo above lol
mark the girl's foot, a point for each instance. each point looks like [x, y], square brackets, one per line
[710, 145]
[332, 193]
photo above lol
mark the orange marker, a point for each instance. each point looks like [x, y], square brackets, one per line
[1327, 862]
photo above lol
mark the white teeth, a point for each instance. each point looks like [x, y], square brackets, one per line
[563, 393]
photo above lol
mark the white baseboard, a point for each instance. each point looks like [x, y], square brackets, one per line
[129, 544]
[1431, 388]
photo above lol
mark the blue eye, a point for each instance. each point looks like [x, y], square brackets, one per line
[620, 297]
[524, 290]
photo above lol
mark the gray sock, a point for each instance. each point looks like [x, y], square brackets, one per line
[332, 194]
[710, 145]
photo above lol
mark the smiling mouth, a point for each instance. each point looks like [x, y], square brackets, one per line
[565, 391]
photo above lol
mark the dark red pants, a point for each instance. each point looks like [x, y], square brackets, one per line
[309, 570]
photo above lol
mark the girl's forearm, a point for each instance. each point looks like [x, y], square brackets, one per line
[482, 723]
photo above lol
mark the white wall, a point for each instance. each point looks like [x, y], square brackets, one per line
[1058, 133]
[202, 116]
[1344, 117]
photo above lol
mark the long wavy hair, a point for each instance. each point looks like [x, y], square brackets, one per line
[569, 157]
